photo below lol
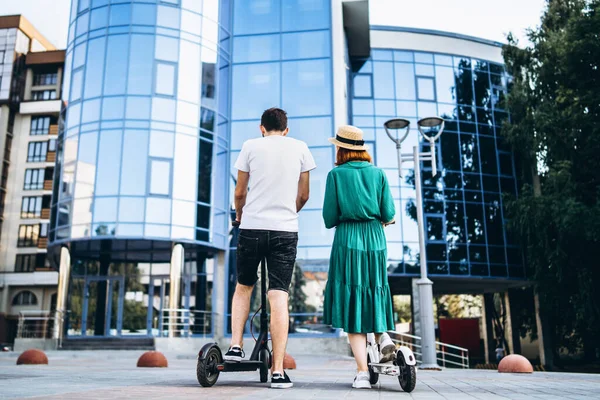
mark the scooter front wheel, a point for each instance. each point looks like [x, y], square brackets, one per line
[206, 370]
[408, 374]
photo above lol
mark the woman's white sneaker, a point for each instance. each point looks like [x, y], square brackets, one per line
[361, 381]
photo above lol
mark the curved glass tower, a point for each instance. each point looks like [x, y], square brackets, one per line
[145, 127]
[139, 211]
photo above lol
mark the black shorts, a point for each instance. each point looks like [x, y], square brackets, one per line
[279, 248]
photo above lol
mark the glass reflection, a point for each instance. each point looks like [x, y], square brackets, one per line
[117, 51]
[475, 224]
[306, 87]
[131, 209]
[94, 67]
[158, 211]
[161, 144]
[250, 17]
[86, 163]
[109, 163]
[167, 48]
[383, 74]
[256, 48]
[133, 172]
[160, 177]
[140, 65]
[183, 213]
[105, 209]
[120, 14]
[253, 93]
[305, 45]
[168, 17]
[305, 15]
[425, 89]
[185, 167]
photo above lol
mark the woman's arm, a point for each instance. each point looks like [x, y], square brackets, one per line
[331, 208]
[387, 207]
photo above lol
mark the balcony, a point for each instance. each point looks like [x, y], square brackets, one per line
[42, 243]
[45, 213]
[51, 157]
[40, 107]
[53, 130]
[47, 185]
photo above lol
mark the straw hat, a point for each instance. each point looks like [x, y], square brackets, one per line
[349, 137]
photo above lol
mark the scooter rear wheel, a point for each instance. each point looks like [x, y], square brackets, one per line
[265, 357]
[206, 370]
[408, 374]
[373, 376]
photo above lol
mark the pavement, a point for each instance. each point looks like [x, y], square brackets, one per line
[113, 375]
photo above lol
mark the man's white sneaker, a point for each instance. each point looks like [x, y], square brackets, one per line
[387, 349]
[361, 381]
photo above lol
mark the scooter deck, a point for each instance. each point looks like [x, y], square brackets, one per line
[385, 369]
[241, 366]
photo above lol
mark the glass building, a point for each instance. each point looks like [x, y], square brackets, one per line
[159, 96]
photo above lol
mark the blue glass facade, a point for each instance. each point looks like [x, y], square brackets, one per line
[282, 58]
[465, 226]
[146, 127]
[160, 95]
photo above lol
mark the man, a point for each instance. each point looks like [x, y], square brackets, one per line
[276, 168]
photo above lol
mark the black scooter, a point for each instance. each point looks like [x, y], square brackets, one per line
[210, 358]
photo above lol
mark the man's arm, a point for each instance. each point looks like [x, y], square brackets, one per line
[241, 192]
[303, 190]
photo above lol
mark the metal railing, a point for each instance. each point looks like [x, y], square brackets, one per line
[185, 323]
[448, 356]
[39, 324]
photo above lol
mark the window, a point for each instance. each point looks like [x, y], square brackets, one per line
[425, 89]
[31, 207]
[40, 95]
[165, 79]
[1, 57]
[28, 235]
[25, 298]
[45, 79]
[52, 145]
[363, 85]
[37, 151]
[160, 177]
[29, 262]
[34, 179]
[44, 230]
[40, 126]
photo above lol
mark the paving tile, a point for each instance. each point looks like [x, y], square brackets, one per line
[113, 375]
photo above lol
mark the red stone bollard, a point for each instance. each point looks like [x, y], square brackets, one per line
[515, 363]
[32, 357]
[289, 362]
[152, 359]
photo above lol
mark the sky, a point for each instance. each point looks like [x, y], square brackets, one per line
[488, 19]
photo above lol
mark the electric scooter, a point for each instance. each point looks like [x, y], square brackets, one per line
[210, 358]
[404, 366]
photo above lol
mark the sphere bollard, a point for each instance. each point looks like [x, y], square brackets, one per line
[515, 363]
[32, 357]
[289, 362]
[152, 359]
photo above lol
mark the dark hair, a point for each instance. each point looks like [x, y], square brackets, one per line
[274, 119]
[345, 155]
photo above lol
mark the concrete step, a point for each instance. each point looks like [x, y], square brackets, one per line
[108, 344]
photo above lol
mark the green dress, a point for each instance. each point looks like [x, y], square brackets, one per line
[357, 295]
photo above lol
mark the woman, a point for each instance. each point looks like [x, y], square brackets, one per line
[358, 203]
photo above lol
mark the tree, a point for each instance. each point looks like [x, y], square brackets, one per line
[554, 104]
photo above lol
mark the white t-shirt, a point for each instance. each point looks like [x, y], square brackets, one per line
[275, 164]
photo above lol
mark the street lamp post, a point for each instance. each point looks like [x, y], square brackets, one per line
[428, 350]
